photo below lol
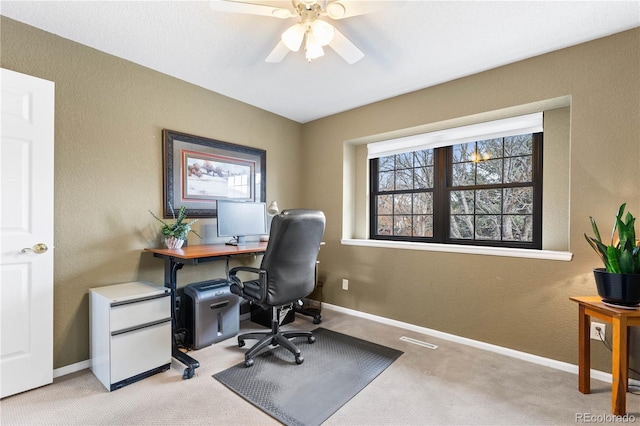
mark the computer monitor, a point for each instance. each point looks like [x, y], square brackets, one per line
[241, 219]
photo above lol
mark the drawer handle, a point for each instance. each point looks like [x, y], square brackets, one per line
[140, 327]
[141, 299]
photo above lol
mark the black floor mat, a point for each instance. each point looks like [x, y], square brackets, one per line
[336, 367]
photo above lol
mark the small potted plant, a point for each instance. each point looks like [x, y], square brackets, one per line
[618, 282]
[176, 233]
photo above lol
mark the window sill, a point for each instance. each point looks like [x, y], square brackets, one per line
[454, 248]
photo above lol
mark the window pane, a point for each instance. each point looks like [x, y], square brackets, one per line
[402, 204]
[385, 181]
[386, 163]
[489, 172]
[489, 201]
[518, 200]
[384, 225]
[402, 226]
[490, 148]
[423, 157]
[423, 225]
[464, 174]
[461, 202]
[518, 228]
[518, 145]
[385, 204]
[423, 203]
[464, 152]
[424, 177]
[404, 179]
[518, 169]
[461, 227]
[404, 160]
[488, 227]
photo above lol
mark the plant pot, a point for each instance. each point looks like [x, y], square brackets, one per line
[173, 242]
[618, 289]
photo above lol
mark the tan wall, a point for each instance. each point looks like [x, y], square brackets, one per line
[109, 115]
[108, 161]
[516, 303]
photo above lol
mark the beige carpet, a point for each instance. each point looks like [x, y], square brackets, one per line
[453, 384]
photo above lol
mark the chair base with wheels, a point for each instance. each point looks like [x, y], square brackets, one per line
[275, 337]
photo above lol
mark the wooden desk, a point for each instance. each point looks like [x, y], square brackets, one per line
[621, 320]
[175, 259]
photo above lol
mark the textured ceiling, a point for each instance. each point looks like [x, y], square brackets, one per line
[409, 45]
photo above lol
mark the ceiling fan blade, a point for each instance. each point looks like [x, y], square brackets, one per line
[278, 53]
[345, 48]
[250, 8]
[341, 9]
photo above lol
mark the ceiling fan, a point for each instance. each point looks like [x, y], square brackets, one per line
[311, 29]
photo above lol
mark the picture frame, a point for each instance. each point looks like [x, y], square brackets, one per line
[198, 171]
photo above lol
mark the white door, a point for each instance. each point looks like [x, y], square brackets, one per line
[26, 233]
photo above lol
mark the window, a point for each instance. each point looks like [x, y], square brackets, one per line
[477, 192]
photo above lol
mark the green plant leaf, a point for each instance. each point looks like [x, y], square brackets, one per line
[613, 260]
[616, 222]
[627, 264]
[595, 229]
[598, 247]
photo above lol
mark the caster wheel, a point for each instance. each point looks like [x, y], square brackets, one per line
[299, 360]
[240, 343]
[311, 339]
[188, 373]
[317, 319]
[248, 363]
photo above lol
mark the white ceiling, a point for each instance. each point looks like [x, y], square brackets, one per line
[409, 46]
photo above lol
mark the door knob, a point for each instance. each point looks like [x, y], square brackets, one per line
[38, 248]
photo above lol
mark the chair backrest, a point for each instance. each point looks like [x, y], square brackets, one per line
[291, 255]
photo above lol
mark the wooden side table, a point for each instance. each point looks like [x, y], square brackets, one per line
[621, 320]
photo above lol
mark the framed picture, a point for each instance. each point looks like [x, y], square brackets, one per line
[199, 171]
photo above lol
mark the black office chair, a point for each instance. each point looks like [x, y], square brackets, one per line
[287, 274]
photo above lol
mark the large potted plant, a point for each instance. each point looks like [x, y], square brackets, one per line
[618, 283]
[176, 233]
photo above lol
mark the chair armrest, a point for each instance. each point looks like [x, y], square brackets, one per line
[233, 277]
[237, 282]
[237, 269]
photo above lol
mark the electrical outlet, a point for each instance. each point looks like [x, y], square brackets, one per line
[345, 284]
[598, 330]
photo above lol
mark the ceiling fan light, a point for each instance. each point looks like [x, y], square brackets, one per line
[293, 36]
[323, 31]
[313, 49]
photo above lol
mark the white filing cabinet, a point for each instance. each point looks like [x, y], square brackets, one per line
[130, 332]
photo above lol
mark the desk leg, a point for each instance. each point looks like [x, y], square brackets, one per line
[171, 268]
[619, 365]
[584, 351]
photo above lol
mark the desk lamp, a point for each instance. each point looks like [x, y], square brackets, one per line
[273, 209]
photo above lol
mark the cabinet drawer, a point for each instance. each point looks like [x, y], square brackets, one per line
[139, 313]
[141, 350]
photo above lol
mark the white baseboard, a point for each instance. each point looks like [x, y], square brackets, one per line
[78, 366]
[548, 362]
